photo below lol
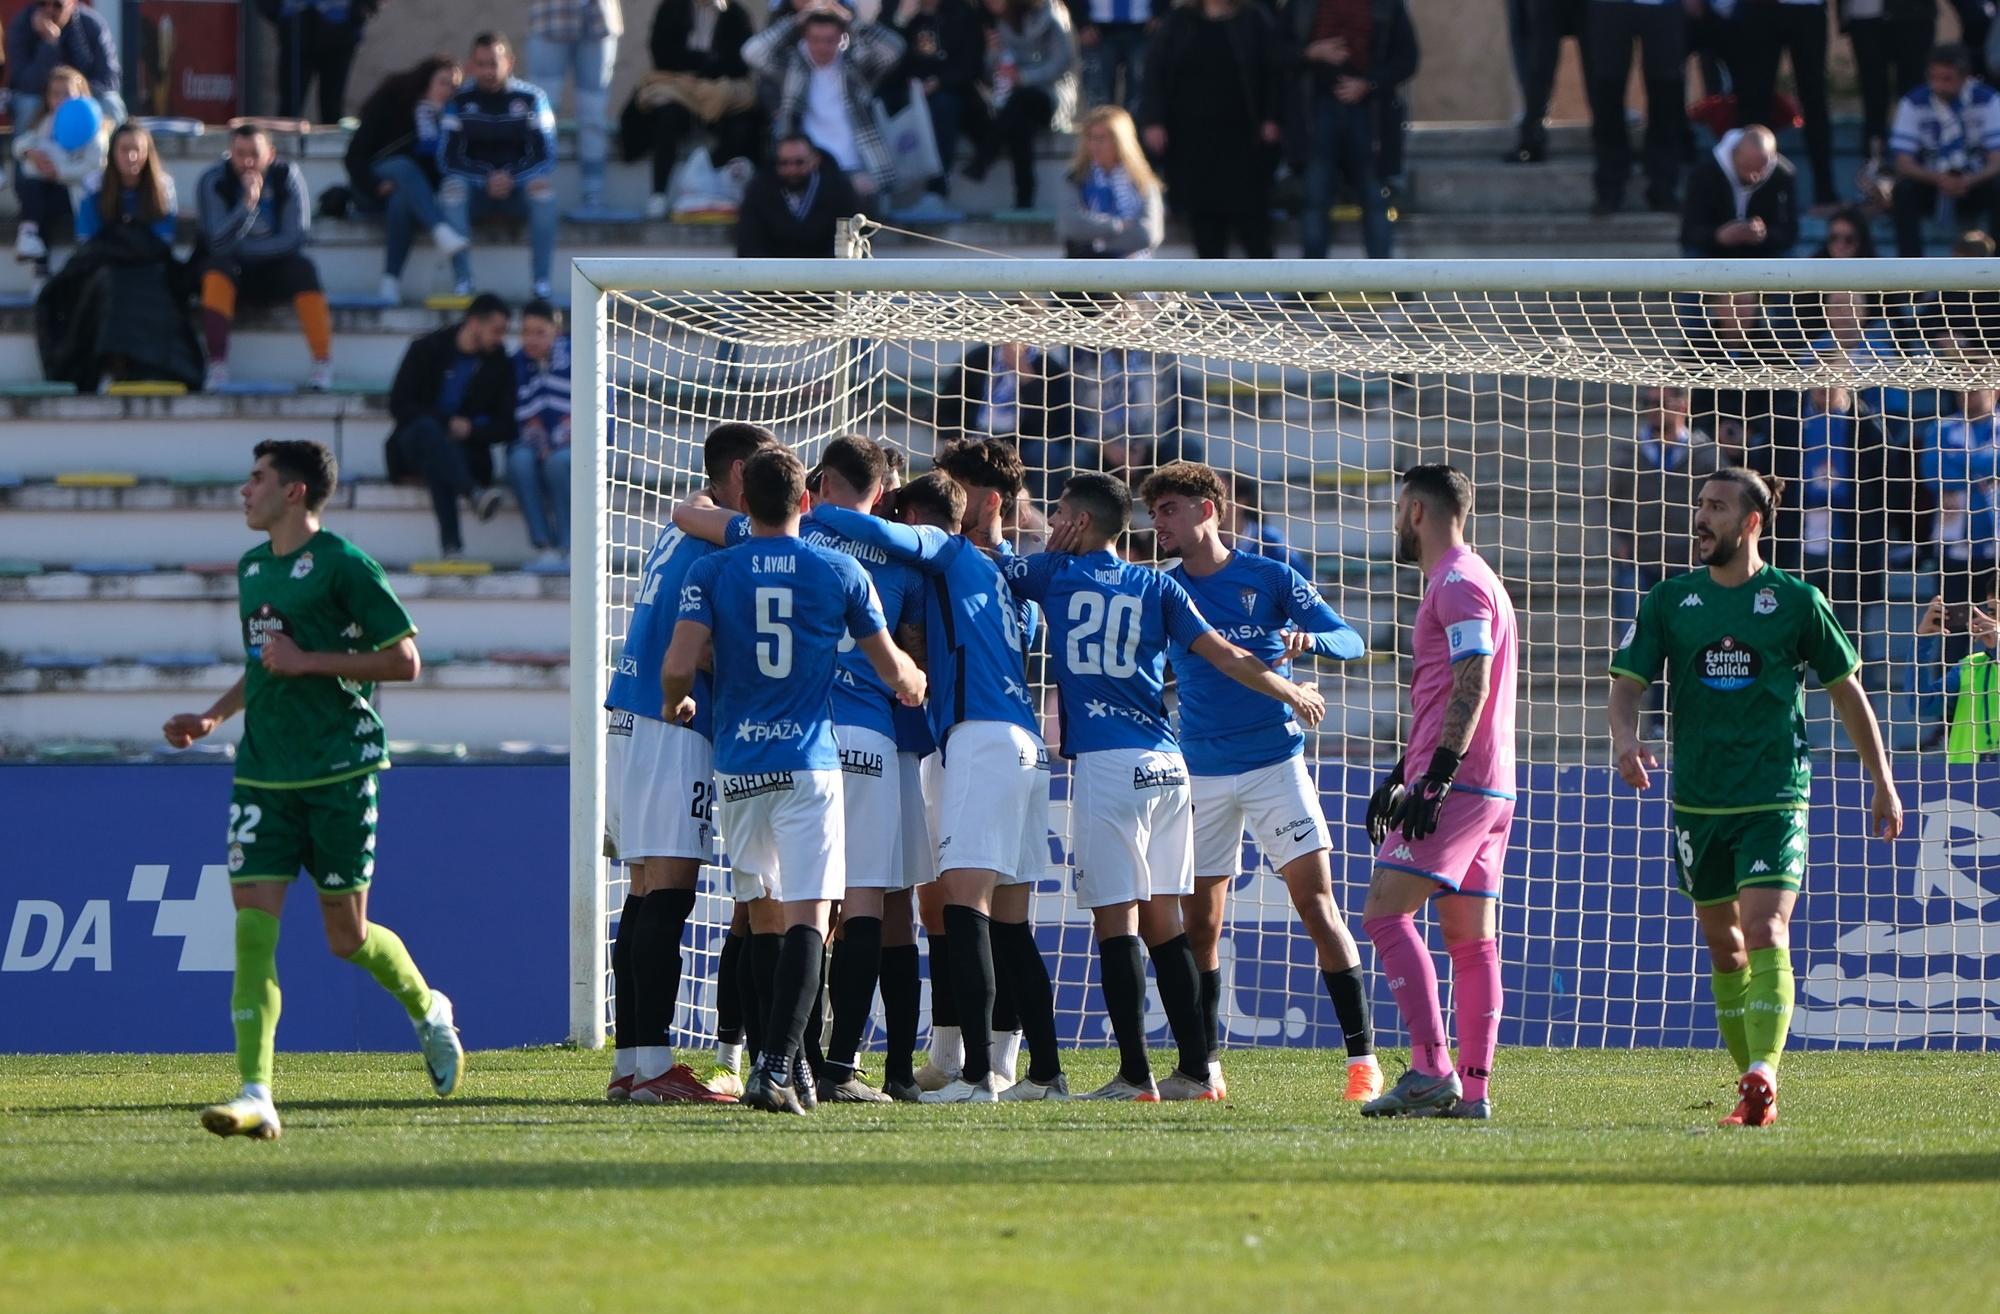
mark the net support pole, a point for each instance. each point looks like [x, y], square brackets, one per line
[589, 587]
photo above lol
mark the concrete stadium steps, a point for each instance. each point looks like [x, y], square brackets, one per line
[199, 436]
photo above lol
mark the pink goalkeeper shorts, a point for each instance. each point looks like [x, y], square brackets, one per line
[1465, 853]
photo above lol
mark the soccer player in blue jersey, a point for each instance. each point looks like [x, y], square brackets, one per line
[661, 785]
[1246, 754]
[1110, 625]
[778, 610]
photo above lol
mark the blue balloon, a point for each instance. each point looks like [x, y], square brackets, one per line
[77, 122]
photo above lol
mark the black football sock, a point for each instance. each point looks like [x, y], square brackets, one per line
[902, 994]
[1005, 1019]
[765, 949]
[625, 1027]
[1027, 975]
[972, 981]
[1180, 996]
[1211, 1011]
[1122, 974]
[792, 993]
[815, 1032]
[656, 962]
[857, 960]
[944, 995]
[729, 990]
[1348, 990]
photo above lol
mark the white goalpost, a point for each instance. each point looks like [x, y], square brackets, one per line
[1580, 396]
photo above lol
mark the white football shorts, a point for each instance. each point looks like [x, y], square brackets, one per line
[666, 793]
[871, 793]
[787, 835]
[1132, 826]
[1280, 806]
[989, 816]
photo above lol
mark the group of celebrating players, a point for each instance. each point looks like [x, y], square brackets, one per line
[844, 694]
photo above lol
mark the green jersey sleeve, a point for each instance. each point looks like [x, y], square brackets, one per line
[1642, 653]
[1824, 646]
[364, 592]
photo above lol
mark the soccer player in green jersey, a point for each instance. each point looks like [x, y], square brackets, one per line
[1734, 639]
[321, 628]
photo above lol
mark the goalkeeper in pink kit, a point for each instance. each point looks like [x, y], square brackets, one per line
[1443, 834]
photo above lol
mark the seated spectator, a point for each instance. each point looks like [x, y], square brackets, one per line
[1244, 516]
[52, 34]
[1742, 201]
[118, 308]
[538, 459]
[1962, 322]
[1819, 521]
[945, 53]
[498, 154]
[1965, 696]
[453, 398]
[1354, 54]
[1946, 142]
[1652, 491]
[824, 67]
[1022, 395]
[1031, 67]
[1849, 236]
[1111, 34]
[55, 163]
[699, 83]
[1962, 464]
[1111, 202]
[1735, 332]
[793, 209]
[577, 40]
[316, 42]
[392, 162]
[255, 216]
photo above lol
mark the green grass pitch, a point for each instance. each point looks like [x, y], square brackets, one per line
[1604, 1185]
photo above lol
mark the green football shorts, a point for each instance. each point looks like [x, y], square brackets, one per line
[1715, 855]
[328, 830]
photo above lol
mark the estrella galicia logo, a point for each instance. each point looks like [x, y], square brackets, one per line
[1728, 665]
[260, 625]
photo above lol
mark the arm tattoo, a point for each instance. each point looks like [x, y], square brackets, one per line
[1469, 681]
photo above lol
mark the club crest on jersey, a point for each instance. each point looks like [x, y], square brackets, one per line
[1765, 603]
[1728, 665]
[303, 566]
[235, 857]
[1249, 597]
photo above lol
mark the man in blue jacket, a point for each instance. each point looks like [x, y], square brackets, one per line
[498, 155]
[51, 33]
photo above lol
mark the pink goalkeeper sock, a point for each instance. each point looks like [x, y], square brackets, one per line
[1406, 962]
[1475, 991]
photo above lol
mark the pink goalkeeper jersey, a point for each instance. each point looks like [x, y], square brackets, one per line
[1465, 612]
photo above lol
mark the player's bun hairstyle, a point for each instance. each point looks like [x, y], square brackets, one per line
[1190, 479]
[893, 461]
[729, 443]
[302, 461]
[774, 484]
[1104, 498]
[985, 463]
[1443, 486]
[855, 459]
[935, 498]
[1761, 493]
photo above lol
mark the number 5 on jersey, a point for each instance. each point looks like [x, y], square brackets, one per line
[774, 614]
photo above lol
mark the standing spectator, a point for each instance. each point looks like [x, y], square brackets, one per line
[1821, 460]
[1849, 236]
[255, 216]
[1031, 66]
[1652, 492]
[1660, 28]
[1765, 30]
[944, 52]
[1111, 202]
[1213, 101]
[1962, 465]
[700, 83]
[1022, 395]
[577, 40]
[825, 67]
[56, 162]
[1112, 35]
[1891, 39]
[1741, 201]
[392, 162]
[316, 40]
[1946, 142]
[1356, 52]
[498, 155]
[794, 208]
[538, 459]
[1536, 28]
[49, 34]
[453, 398]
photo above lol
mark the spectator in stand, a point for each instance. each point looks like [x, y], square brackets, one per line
[136, 189]
[1821, 460]
[1535, 30]
[1850, 334]
[1961, 463]
[1254, 534]
[1735, 333]
[825, 67]
[699, 83]
[1214, 98]
[944, 52]
[498, 155]
[1891, 39]
[1742, 201]
[538, 459]
[1355, 53]
[1765, 31]
[55, 163]
[1964, 697]
[1111, 202]
[1652, 490]
[50, 34]
[577, 40]
[392, 166]
[1021, 395]
[1031, 64]
[1849, 236]
[1112, 36]
[793, 209]
[1660, 28]
[316, 40]
[454, 398]
[1946, 142]
[255, 217]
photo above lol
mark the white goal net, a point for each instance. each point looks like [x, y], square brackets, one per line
[1584, 399]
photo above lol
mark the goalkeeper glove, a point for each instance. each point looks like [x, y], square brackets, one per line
[1418, 818]
[1383, 804]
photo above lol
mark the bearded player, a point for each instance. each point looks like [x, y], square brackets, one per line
[1734, 639]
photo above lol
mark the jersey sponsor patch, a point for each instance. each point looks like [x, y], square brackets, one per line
[861, 762]
[260, 625]
[1158, 777]
[1728, 665]
[765, 732]
[737, 788]
[618, 722]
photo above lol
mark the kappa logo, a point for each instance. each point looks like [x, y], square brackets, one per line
[303, 566]
[253, 570]
[353, 631]
[1759, 866]
[1453, 577]
[1403, 853]
[1765, 603]
[1691, 600]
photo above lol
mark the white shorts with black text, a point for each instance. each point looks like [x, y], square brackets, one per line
[1131, 824]
[1278, 804]
[914, 780]
[666, 793]
[871, 791]
[787, 835]
[989, 817]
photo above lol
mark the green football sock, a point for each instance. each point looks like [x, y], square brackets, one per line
[383, 957]
[1729, 988]
[1767, 1004]
[253, 999]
